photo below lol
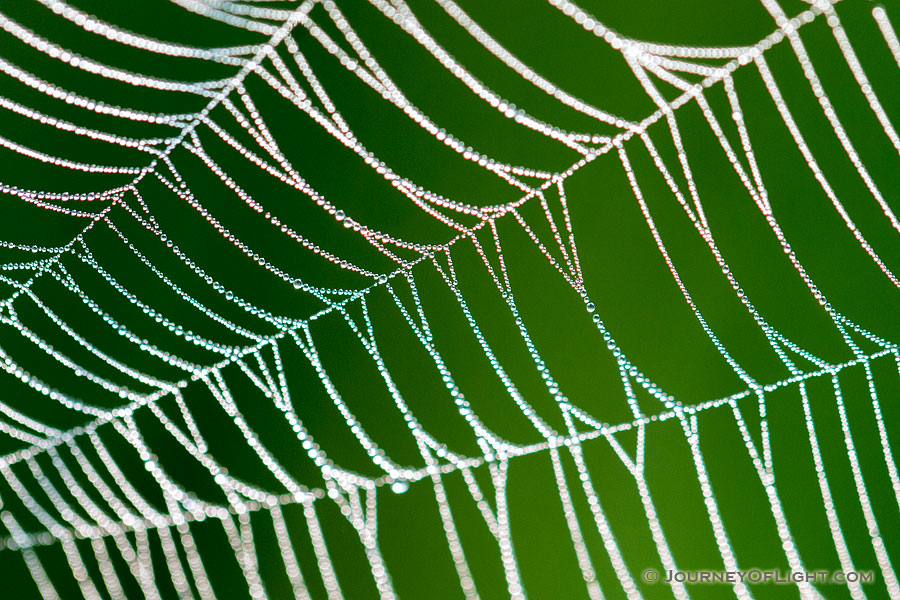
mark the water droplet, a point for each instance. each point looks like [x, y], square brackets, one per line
[400, 486]
[590, 307]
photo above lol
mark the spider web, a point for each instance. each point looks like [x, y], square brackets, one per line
[242, 341]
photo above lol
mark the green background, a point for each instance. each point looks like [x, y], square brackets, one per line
[624, 274]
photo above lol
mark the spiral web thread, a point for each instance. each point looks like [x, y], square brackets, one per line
[63, 489]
